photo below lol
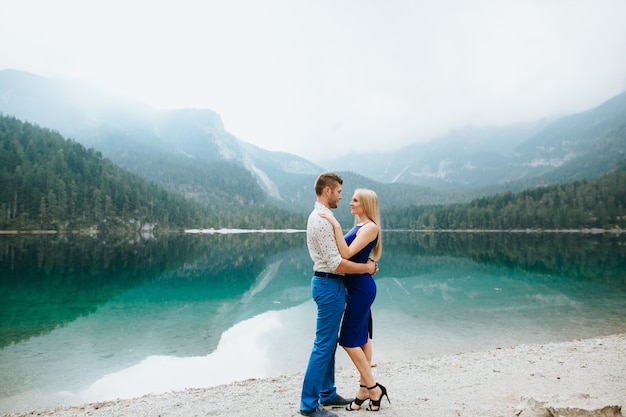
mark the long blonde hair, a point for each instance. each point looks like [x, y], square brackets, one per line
[369, 202]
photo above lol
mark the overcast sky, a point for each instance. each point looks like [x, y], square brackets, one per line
[325, 77]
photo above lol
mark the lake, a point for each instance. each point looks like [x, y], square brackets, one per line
[92, 318]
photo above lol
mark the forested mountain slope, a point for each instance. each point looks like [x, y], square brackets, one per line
[581, 204]
[48, 182]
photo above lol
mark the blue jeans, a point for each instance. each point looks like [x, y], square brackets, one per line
[319, 380]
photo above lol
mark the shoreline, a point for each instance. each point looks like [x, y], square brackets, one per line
[583, 377]
[586, 230]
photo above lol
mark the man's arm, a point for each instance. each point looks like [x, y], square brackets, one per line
[349, 267]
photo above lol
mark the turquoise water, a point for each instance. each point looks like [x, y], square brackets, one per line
[88, 319]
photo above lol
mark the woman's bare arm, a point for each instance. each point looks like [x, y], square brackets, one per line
[368, 232]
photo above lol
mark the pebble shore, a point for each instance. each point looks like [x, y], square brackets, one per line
[578, 378]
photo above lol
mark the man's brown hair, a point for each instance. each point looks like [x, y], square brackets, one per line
[325, 179]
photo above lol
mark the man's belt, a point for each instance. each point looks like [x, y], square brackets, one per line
[328, 275]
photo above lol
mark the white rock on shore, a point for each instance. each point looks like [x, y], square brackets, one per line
[573, 379]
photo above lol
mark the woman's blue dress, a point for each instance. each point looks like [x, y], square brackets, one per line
[356, 327]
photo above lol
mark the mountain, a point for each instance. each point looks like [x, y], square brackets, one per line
[579, 146]
[584, 145]
[49, 182]
[185, 150]
[189, 151]
[466, 157]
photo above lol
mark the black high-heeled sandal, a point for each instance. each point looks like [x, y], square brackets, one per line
[357, 401]
[376, 403]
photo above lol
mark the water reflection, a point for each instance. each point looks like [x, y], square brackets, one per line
[575, 255]
[95, 319]
[53, 280]
[243, 352]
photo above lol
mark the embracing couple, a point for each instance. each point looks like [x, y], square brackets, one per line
[343, 288]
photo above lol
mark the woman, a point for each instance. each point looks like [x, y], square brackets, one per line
[359, 244]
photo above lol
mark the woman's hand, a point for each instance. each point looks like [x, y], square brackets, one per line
[342, 246]
[330, 217]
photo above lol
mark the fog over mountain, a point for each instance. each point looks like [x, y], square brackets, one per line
[324, 77]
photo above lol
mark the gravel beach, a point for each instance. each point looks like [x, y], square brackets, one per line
[578, 378]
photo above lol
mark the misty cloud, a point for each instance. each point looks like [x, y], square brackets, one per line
[317, 77]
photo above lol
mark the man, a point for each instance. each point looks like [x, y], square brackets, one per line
[328, 291]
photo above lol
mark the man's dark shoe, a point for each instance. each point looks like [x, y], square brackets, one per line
[319, 412]
[338, 402]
